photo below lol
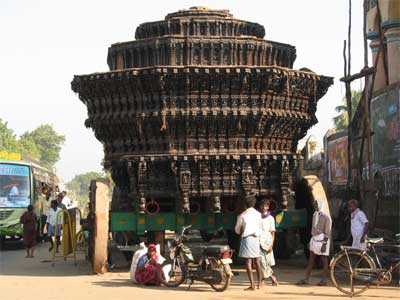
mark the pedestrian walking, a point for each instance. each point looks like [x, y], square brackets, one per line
[359, 225]
[248, 227]
[319, 243]
[53, 229]
[267, 238]
[29, 221]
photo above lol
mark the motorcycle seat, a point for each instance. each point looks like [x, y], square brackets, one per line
[216, 250]
[374, 240]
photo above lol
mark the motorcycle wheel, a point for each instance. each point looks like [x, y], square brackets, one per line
[224, 282]
[176, 276]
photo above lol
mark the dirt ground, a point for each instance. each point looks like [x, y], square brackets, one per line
[35, 278]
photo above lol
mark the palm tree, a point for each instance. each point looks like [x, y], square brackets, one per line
[341, 121]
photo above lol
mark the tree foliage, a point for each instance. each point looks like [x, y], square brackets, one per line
[8, 139]
[43, 143]
[341, 121]
[78, 187]
[47, 141]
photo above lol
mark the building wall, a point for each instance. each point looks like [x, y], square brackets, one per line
[384, 34]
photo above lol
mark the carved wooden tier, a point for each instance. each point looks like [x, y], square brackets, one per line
[200, 110]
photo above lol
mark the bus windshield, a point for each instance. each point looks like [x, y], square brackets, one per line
[14, 186]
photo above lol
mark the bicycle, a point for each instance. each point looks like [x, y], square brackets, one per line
[353, 270]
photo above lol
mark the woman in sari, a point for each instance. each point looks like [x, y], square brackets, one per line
[147, 267]
[29, 221]
[267, 238]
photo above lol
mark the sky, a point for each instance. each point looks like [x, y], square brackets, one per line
[43, 43]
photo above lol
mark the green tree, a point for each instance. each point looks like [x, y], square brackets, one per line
[28, 147]
[341, 121]
[78, 187]
[8, 139]
[48, 143]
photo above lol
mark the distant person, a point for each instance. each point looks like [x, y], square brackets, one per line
[248, 227]
[267, 238]
[319, 243]
[59, 200]
[29, 221]
[66, 200]
[13, 191]
[359, 225]
[52, 229]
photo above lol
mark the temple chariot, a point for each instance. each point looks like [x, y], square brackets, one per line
[195, 113]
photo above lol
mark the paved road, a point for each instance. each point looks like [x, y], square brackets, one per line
[23, 278]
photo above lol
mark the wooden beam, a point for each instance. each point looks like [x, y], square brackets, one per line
[364, 72]
[100, 252]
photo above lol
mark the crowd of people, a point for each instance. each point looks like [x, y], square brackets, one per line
[256, 228]
[52, 227]
[257, 231]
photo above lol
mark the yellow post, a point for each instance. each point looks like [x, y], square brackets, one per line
[68, 235]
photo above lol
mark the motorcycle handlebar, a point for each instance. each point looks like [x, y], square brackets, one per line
[184, 228]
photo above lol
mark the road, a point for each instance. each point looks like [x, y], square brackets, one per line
[34, 278]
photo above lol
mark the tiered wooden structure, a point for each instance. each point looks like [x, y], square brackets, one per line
[198, 111]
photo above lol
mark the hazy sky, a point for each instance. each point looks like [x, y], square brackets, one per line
[44, 43]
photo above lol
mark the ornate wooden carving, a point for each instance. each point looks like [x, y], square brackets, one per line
[200, 106]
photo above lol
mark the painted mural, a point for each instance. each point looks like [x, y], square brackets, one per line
[385, 112]
[337, 151]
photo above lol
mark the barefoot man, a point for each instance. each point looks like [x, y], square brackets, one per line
[248, 227]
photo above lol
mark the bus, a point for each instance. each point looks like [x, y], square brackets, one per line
[22, 183]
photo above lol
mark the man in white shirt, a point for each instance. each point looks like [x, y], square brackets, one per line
[248, 226]
[359, 225]
[52, 229]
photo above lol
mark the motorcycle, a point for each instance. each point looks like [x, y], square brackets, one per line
[213, 267]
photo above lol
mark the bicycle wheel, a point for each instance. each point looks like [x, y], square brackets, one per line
[172, 274]
[357, 282]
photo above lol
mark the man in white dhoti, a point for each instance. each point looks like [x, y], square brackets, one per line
[248, 226]
[319, 243]
[359, 225]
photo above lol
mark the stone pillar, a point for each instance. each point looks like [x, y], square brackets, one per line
[392, 36]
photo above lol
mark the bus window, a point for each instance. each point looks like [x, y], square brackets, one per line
[14, 186]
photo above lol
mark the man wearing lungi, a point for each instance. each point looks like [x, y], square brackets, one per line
[248, 226]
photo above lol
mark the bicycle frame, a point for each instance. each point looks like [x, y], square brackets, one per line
[364, 267]
[375, 271]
